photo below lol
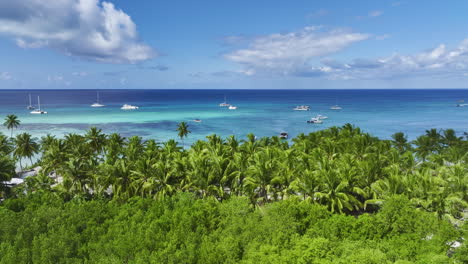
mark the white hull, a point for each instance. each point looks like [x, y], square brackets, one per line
[38, 112]
[128, 107]
[97, 105]
[232, 107]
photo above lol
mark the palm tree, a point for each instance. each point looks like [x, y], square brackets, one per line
[11, 122]
[26, 147]
[400, 142]
[183, 130]
[96, 139]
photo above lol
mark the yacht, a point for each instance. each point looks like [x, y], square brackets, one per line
[128, 107]
[197, 120]
[315, 120]
[283, 135]
[38, 111]
[30, 107]
[224, 104]
[336, 107]
[302, 108]
[461, 103]
[321, 117]
[97, 104]
[231, 107]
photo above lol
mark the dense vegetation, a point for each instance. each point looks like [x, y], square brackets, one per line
[334, 196]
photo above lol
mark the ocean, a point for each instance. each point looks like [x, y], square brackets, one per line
[261, 112]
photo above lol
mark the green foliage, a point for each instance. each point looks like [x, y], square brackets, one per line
[182, 229]
[334, 196]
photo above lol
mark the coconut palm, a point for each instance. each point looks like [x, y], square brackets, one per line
[11, 122]
[400, 142]
[183, 130]
[96, 139]
[26, 147]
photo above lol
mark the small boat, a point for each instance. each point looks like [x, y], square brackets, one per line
[97, 104]
[315, 120]
[461, 103]
[231, 107]
[38, 111]
[129, 107]
[302, 108]
[224, 104]
[197, 120]
[283, 135]
[30, 107]
[336, 107]
[321, 117]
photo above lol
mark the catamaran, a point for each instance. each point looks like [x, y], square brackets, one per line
[30, 107]
[224, 104]
[38, 111]
[97, 103]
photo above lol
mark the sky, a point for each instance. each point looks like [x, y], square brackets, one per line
[208, 44]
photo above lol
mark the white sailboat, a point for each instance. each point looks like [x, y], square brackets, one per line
[30, 107]
[224, 104]
[97, 103]
[38, 111]
[336, 106]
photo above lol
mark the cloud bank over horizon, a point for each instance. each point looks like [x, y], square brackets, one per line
[94, 30]
[305, 53]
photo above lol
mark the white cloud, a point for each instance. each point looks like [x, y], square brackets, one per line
[291, 53]
[5, 76]
[54, 78]
[80, 74]
[88, 29]
[438, 61]
[375, 13]
[382, 37]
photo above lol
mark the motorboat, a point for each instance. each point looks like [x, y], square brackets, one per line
[128, 107]
[197, 120]
[315, 120]
[38, 111]
[283, 135]
[302, 108]
[231, 107]
[97, 103]
[321, 117]
[336, 107]
[461, 103]
[30, 106]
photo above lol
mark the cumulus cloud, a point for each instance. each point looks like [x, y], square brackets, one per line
[435, 62]
[88, 29]
[375, 13]
[307, 53]
[291, 53]
[80, 74]
[5, 76]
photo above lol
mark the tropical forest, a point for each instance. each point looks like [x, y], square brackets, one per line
[337, 195]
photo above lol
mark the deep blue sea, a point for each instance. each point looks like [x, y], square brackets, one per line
[262, 112]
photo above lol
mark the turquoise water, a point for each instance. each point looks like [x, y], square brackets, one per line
[262, 112]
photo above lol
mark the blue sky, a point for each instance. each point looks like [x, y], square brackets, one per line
[92, 44]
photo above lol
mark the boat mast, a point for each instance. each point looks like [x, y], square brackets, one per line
[30, 104]
[97, 97]
[38, 103]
